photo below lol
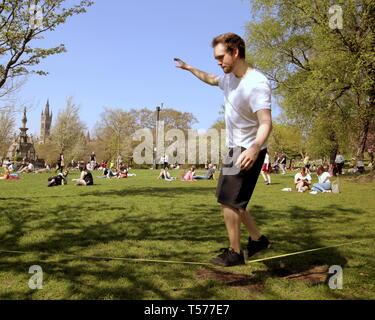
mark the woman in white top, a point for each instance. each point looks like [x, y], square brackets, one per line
[302, 180]
[324, 184]
[266, 170]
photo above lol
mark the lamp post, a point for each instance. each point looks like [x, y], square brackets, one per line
[157, 135]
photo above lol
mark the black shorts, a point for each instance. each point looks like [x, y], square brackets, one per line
[236, 188]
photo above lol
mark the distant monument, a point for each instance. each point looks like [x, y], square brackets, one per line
[23, 146]
[45, 125]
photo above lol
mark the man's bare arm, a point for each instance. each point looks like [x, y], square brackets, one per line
[265, 127]
[247, 159]
[201, 75]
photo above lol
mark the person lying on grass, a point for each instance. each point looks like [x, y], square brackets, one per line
[210, 175]
[85, 179]
[60, 179]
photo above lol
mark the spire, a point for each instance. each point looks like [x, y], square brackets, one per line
[24, 120]
[47, 108]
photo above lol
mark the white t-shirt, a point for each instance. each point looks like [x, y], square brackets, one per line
[267, 159]
[31, 166]
[339, 159]
[299, 176]
[243, 98]
[323, 177]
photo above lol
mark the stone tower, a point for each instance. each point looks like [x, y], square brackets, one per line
[45, 124]
[23, 146]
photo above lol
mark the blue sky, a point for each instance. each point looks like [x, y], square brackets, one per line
[120, 55]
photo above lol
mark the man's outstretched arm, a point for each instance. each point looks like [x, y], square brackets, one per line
[201, 75]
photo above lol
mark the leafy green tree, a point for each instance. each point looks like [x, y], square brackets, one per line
[21, 22]
[67, 132]
[289, 139]
[7, 125]
[318, 69]
[114, 132]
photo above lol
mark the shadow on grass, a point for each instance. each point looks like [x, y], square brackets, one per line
[160, 192]
[68, 228]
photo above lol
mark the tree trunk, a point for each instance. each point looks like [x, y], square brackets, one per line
[363, 139]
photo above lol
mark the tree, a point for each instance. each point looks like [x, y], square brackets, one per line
[289, 139]
[21, 22]
[115, 130]
[173, 119]
[316, 69]
[67, 132]
[220, 122]
[6, 130]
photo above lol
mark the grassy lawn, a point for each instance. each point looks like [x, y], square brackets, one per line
[144, 218]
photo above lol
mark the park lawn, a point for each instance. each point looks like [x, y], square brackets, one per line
[144, 218]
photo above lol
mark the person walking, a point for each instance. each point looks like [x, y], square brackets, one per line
[283, 162]
[60, 163]
[92, 160]
[340, 161]
[266, 170]
[247, 95]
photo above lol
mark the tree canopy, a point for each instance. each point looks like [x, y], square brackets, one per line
[22, 22]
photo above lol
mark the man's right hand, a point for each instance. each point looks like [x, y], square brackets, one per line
[182, 64]
[204, 76]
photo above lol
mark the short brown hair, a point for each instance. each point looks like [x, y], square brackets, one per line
[232, 41]
[320, 170]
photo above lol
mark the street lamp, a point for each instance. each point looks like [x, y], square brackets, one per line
[157, 134]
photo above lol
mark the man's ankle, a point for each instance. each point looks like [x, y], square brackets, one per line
[256, 238]
[238, 251]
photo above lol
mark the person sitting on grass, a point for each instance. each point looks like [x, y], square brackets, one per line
[28, 168]
[123, 173]
[324, 184]
[210, 175]
[302, 180]
[360, 166]
[60, 179]
[165, 175]
[189, 175]
[85, 179]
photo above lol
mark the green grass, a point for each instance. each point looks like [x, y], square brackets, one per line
[144, 218]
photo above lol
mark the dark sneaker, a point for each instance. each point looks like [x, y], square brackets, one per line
[255, 246]
[228, 258]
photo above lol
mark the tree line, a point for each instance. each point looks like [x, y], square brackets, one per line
[318, 54]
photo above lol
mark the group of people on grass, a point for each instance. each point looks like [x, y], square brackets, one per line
[190, 175]
[85, 179]
[303, 181]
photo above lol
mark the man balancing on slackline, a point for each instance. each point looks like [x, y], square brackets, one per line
[248, 120]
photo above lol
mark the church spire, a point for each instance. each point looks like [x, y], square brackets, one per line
[47, 108]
